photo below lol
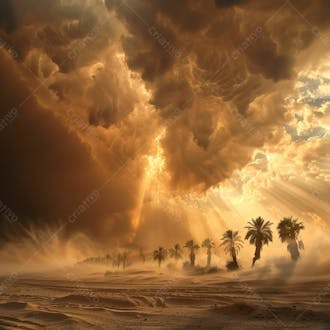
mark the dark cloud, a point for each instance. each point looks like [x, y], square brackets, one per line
[52, 162]
[215, 79]
[228, 3]
[7, 16]
[225, 56]
[48, 172]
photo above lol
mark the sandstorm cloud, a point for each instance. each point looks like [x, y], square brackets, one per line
[94, 84]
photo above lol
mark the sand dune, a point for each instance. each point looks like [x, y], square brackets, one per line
[157, 300]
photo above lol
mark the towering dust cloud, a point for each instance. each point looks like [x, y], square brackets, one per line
[105, 92]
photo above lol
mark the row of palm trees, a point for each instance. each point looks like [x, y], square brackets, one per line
[259, 233]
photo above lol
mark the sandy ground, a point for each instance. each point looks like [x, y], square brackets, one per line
[162, 300]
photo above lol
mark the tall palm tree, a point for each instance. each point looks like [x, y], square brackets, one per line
[160, 255]
[176, 252]
[258, 234]
[192, 246]
[232, 244]
[288, 231]
[114, 259]
[119, 259]
[209, 245]
[142, 256]
[124, 259]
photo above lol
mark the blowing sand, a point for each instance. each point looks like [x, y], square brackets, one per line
[157, 299]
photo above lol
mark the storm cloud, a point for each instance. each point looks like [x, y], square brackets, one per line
[96, 83]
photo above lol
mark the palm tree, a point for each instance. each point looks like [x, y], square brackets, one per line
[232, 244]
[119, 259]
[124, 259]
[192, 246]
[176, 252]
[259, 233]
[107, 258]
[142, 256]
[208, 244]
[288, 230]
[160, 255]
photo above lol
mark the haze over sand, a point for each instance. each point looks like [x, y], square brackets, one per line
[149, 299]
[130, 136]
[129, 125]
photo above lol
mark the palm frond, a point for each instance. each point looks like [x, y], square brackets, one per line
[259, 231]
[289, 229]
[231, 240]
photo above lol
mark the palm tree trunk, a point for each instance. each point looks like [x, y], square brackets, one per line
[209, 254]
[192, 258]
[124, 263]
[233, 252]
[159, 262]
[257, 253]
[293, 250]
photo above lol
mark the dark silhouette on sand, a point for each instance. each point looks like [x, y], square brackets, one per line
[209, 245]
[160, 255]
[232, 243]
[288, 230]
[176, 252]
[258, 234]
[192, 246]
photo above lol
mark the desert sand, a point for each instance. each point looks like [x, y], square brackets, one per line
[161, 299]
